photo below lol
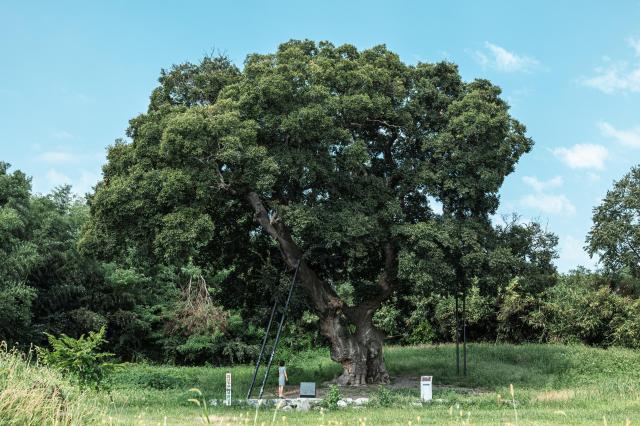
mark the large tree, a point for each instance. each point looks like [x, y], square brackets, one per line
[615, 234]
[323, 152]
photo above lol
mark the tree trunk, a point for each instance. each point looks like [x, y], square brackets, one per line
[355, 342]
[357, 346]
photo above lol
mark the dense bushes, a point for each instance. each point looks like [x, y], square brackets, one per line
[583, 307]
[79, 358]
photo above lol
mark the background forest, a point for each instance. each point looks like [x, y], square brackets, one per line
[192, 309]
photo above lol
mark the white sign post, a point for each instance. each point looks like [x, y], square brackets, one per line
[426, 390]
[227, 400]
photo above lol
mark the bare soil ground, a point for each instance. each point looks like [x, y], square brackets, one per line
[365, 391]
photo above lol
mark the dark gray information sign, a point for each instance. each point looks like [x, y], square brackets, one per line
[307, 390]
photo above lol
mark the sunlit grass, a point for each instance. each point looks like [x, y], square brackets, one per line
[552, 384]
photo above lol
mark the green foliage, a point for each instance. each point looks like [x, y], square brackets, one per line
[513, 316]
[581, 309]
[615, 234]
[480, 313]
[386, 319]
[332, 397]
[383, 397]
[79, 357]
[345, 148]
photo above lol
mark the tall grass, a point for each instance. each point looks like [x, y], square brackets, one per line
[31, 394]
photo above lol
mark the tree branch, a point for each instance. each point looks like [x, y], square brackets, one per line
[322, 295]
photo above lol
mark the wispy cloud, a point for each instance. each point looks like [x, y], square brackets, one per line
[583, 156]
[630, 137]
[62, 135]
[617, 76]
[501, 59]
[572, 252]
[635, 44]
[540, 186]
[550, 204]
[542, 201]
[81, 184]
[63, 155]
[55, 178]
[59, 157]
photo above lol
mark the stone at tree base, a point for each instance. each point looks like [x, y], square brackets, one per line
[303, 405]
[361, 401]
[286, 408]
[342, 403]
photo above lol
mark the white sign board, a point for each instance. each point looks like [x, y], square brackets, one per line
[426, 388]
[227, 400]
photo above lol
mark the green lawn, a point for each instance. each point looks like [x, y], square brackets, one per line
[553, 384]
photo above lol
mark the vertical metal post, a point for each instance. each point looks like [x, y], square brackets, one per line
[464, 331]
[275, 344]
[264, 343]
[457, 336]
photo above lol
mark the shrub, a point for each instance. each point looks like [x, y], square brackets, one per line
[421, 333]
[332, 397]
[480, 315]
[383, 397]
[79, 357]
[580, 309]
[515, 307]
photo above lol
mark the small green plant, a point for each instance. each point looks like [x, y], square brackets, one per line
[79, 358]
[383, 397]
[332, 397]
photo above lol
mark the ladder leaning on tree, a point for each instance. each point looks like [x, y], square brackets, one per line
[277, 339]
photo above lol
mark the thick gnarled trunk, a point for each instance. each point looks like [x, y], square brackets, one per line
[355, 342]
[357, 346]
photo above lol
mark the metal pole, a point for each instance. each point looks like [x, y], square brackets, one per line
[457, 336]
[264, 343]
[464, 331]
[275, 344]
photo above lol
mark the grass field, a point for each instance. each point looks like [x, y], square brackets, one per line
[552, 384]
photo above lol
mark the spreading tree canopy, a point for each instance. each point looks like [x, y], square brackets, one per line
[615, 234]
[327, 152]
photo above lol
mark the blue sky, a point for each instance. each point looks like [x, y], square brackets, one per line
[73, 73]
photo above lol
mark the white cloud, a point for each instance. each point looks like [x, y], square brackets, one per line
[617, 76]
[540, 186]
[503, 60]
[55, 178]
[58, 157]
[86, 181]
[583, 156]
[550, 204]
[572, 254]
[62, 135]
[593, 177]
[629, 137]
[635, 45]
[81, 183]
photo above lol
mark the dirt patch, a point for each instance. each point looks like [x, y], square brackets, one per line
[398, 383]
